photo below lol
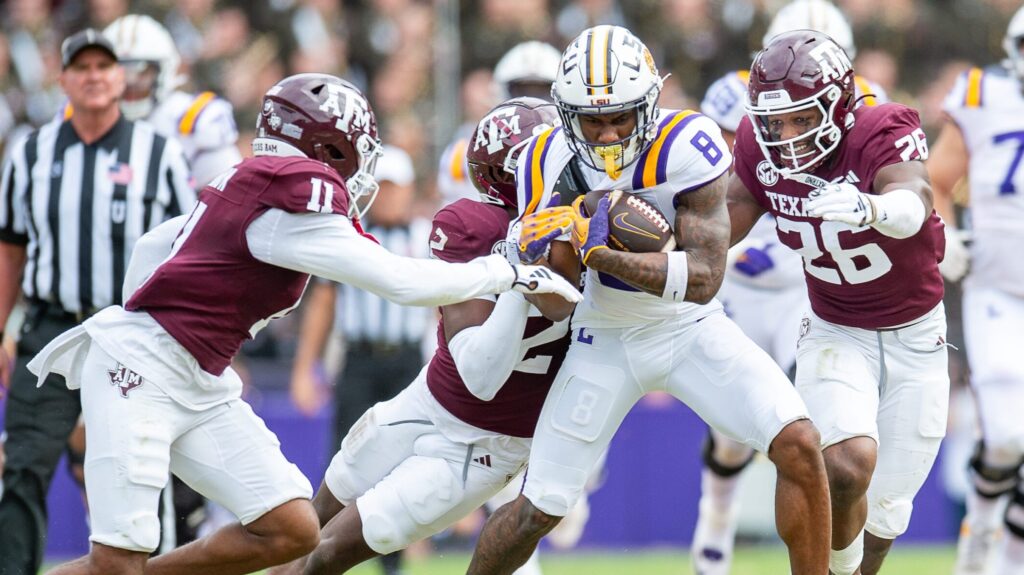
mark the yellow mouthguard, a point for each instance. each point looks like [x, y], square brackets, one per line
[610, 154]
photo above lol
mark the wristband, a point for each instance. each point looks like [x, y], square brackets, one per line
[898, 214]
[678, 275]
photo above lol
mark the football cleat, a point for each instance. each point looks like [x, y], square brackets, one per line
[713, 539]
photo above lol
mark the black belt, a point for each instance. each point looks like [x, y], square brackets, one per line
[39, 309]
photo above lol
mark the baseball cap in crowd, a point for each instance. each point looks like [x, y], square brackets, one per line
[394, 165]
[88, 38]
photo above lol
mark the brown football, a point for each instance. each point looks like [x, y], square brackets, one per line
[634, 224]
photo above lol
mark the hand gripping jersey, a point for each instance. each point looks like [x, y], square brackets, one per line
[212, 294]
[465, 230]
[856, 277]
[988, 107]
[687, 153]
[724, 99]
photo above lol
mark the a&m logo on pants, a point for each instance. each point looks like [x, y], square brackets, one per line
[125, 379]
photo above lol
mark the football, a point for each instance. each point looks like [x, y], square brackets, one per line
[634, 224]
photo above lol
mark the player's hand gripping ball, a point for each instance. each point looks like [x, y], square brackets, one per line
[634, 224]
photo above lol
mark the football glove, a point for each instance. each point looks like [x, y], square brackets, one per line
[842, 203]
[539, 229]
[590, 234]
[957, 259]
[539, 279]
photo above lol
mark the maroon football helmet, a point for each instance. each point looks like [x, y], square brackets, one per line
[497, 141]
[327, 119]
[799, 71]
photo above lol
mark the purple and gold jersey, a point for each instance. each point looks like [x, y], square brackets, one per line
[856, 276]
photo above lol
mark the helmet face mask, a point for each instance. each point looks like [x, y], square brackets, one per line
[607, 70]
[323, 118]
[497, 142]
[800, 71]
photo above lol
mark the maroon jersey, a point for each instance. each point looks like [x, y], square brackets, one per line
[462, 231]
[212, 294]
[856, 277]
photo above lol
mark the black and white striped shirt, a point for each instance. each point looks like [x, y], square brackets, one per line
[365, 317]
[80, 208]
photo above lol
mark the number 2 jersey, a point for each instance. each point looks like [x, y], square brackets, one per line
[988, 107]
[687, 153]
[462, 231]
[856, 276]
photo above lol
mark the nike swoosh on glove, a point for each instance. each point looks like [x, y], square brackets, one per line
[539, 279]
[590, 234]
[842, 203]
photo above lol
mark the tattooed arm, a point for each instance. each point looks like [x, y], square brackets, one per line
[702, 231]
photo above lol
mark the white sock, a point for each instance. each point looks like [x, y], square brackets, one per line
[720, 492]
[846, 561]
[1012, 557]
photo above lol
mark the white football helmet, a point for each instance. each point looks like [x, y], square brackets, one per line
[818, 15]
[608, 70]
[527, 63]
[150, 59]
[1012, 43]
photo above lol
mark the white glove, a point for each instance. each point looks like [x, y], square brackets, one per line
[842, 203]
[539, 279]
[512, 243]
[957, 259]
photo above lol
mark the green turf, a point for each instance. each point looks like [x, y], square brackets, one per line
[904, 560]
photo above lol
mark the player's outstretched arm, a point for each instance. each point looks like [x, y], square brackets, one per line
[694, 271]
[947, 164]
[328, 246]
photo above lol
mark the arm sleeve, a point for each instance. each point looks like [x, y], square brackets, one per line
[483, 354]
[329, 246]
[150, 251]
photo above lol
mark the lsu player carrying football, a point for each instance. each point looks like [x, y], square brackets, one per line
[648, 321]
[850, 193]
[158, 392]
[413, 465]
[763, 290]
[984, 140]
[203, 123]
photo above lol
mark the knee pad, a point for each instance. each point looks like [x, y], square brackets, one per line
[406, 506]
[991, 481]
[725, 460]
[559, 492]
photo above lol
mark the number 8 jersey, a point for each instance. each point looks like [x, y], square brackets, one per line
[856, 276]
[988, 107]
[686, 153]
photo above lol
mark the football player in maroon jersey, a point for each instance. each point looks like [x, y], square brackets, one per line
[461, 431]
[850, 193]
[158, 392]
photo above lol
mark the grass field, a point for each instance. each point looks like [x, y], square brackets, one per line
[904, 560]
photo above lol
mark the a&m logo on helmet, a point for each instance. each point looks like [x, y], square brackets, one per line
[352, 110]
[833, 61]
[497, 126]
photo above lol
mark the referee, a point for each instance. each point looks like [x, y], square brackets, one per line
[75, 196]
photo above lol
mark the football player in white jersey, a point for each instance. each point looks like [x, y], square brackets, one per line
[203, 123]
[648, 321]
[526, 70]
[984, 140]
[763, 290]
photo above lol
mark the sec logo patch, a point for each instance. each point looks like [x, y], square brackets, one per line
[766, 173]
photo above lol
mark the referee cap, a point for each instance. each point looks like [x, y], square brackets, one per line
[88, 38]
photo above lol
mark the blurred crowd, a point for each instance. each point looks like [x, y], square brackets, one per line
[405, 52]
